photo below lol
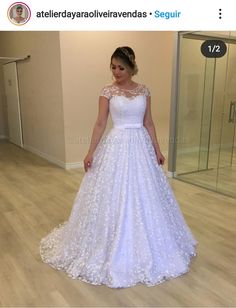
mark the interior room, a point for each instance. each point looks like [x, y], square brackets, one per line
[50, 83]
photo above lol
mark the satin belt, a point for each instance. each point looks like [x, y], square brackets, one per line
[133, 125]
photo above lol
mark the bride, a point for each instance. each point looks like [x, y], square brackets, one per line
[125, 226]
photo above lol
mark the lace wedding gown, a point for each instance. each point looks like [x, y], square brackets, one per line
[125, 226]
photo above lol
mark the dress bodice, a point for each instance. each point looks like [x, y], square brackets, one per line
[127, 107]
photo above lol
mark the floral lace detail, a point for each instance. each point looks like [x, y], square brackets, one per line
[113, 90]
[125, 227]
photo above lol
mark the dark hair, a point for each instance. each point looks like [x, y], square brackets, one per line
[127, 55]
[19, 7]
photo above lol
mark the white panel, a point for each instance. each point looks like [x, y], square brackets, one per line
[13, 104]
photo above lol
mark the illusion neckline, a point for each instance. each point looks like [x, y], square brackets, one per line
[129, 90]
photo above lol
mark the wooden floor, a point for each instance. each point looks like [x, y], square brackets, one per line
[35, 196]
[222, 179]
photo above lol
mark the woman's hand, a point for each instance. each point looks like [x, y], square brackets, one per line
[88, 162]
[160, 158]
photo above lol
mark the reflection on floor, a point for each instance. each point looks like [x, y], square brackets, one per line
[222, 180]
[36, 196]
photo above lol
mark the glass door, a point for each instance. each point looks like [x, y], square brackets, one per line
[206, 112]
[226, 171]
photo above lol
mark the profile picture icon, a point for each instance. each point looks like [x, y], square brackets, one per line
[19, 13]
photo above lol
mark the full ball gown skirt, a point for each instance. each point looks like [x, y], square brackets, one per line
[125, 226]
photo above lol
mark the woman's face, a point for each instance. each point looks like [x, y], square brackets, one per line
[120, 71]
[19, 11]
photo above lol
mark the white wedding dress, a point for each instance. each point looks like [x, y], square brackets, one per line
[125, 226]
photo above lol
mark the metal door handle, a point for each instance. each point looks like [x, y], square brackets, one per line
[232, 112]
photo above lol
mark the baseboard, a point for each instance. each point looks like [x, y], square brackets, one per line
[171, 174]
[53, 160]
[45, 156]
[77, 165]
[4, 137]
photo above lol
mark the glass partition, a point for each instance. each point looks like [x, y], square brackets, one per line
[206, 111]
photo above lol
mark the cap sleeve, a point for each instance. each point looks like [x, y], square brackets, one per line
[147, 92]
[106, 92]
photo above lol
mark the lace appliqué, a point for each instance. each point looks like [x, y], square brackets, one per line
[112, 90]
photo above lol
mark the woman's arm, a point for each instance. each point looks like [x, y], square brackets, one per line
[98, 130]
[148, 123]
[100, 124]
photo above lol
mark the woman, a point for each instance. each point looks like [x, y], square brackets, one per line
[125, 226]
[18, 18]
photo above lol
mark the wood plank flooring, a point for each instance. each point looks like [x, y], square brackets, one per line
[221, 179]
[36, 195]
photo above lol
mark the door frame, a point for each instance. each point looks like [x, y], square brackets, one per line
[18, 107]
